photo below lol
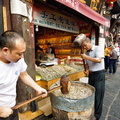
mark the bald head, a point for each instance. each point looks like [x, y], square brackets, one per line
[9, 39]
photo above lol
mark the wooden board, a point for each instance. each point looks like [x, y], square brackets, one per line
[29, 115]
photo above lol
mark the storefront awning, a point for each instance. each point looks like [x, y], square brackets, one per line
[86, 11]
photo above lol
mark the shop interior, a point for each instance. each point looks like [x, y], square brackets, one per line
[65, 56]
[60, 41]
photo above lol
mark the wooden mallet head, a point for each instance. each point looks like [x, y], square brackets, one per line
[65, 83]
[79, 39]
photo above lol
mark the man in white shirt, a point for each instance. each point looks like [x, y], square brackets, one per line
[94, 58]
[12, 66]
[118, 51]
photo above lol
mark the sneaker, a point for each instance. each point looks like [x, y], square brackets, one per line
[96, 119]
[110, 73]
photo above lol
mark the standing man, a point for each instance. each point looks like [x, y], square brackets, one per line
[94, 58]
[113, 60]
[12, 66]
[107, 57]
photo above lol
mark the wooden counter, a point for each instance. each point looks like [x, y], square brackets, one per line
[47, 84]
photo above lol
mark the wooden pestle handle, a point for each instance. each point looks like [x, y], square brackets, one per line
[34, 98]
[83, 59]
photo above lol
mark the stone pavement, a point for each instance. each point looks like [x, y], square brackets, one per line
[111, 104]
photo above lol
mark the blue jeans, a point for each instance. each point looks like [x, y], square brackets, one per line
[107, 62]
[112, 66]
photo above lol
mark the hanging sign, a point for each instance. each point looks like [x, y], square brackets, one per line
[18, 7]
[54, 20]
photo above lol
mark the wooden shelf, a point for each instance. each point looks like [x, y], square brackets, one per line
[59, 55]
[63, 46]
[55, 43]
[72, 48]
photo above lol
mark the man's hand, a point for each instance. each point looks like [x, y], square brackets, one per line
[25, 77]
[42, 91]
[5, 112]
[86, 72]
[84, 56]
[96, 60]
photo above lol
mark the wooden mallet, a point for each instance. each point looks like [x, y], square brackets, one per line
[64, 86]
[78, 41]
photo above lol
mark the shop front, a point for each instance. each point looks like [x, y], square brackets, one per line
[56, 26]
[58, 30]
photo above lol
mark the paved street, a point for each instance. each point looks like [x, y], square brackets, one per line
[111, 107]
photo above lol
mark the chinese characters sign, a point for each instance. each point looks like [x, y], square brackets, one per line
[54, 20]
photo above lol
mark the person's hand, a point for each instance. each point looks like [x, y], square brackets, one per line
[84, 56]
[42, 91]
[86, 72]
[5, 112]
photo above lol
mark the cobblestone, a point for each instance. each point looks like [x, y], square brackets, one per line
[111, 104]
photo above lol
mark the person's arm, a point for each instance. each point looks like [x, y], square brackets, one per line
[87, 69]
[111, 55]
[96, 60]
[25, 77]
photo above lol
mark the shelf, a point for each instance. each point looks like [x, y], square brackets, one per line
[54, 43]
[59, 55]
[64, 48]
[41, 44]
[69, 48]
[69, 54]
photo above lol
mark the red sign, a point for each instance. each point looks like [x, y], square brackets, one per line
[86, 11]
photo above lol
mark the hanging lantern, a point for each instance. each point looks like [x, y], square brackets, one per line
[110, 4]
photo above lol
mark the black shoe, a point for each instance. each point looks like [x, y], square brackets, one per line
[96, 119]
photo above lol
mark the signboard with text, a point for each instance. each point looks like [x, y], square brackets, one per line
[50, 19]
